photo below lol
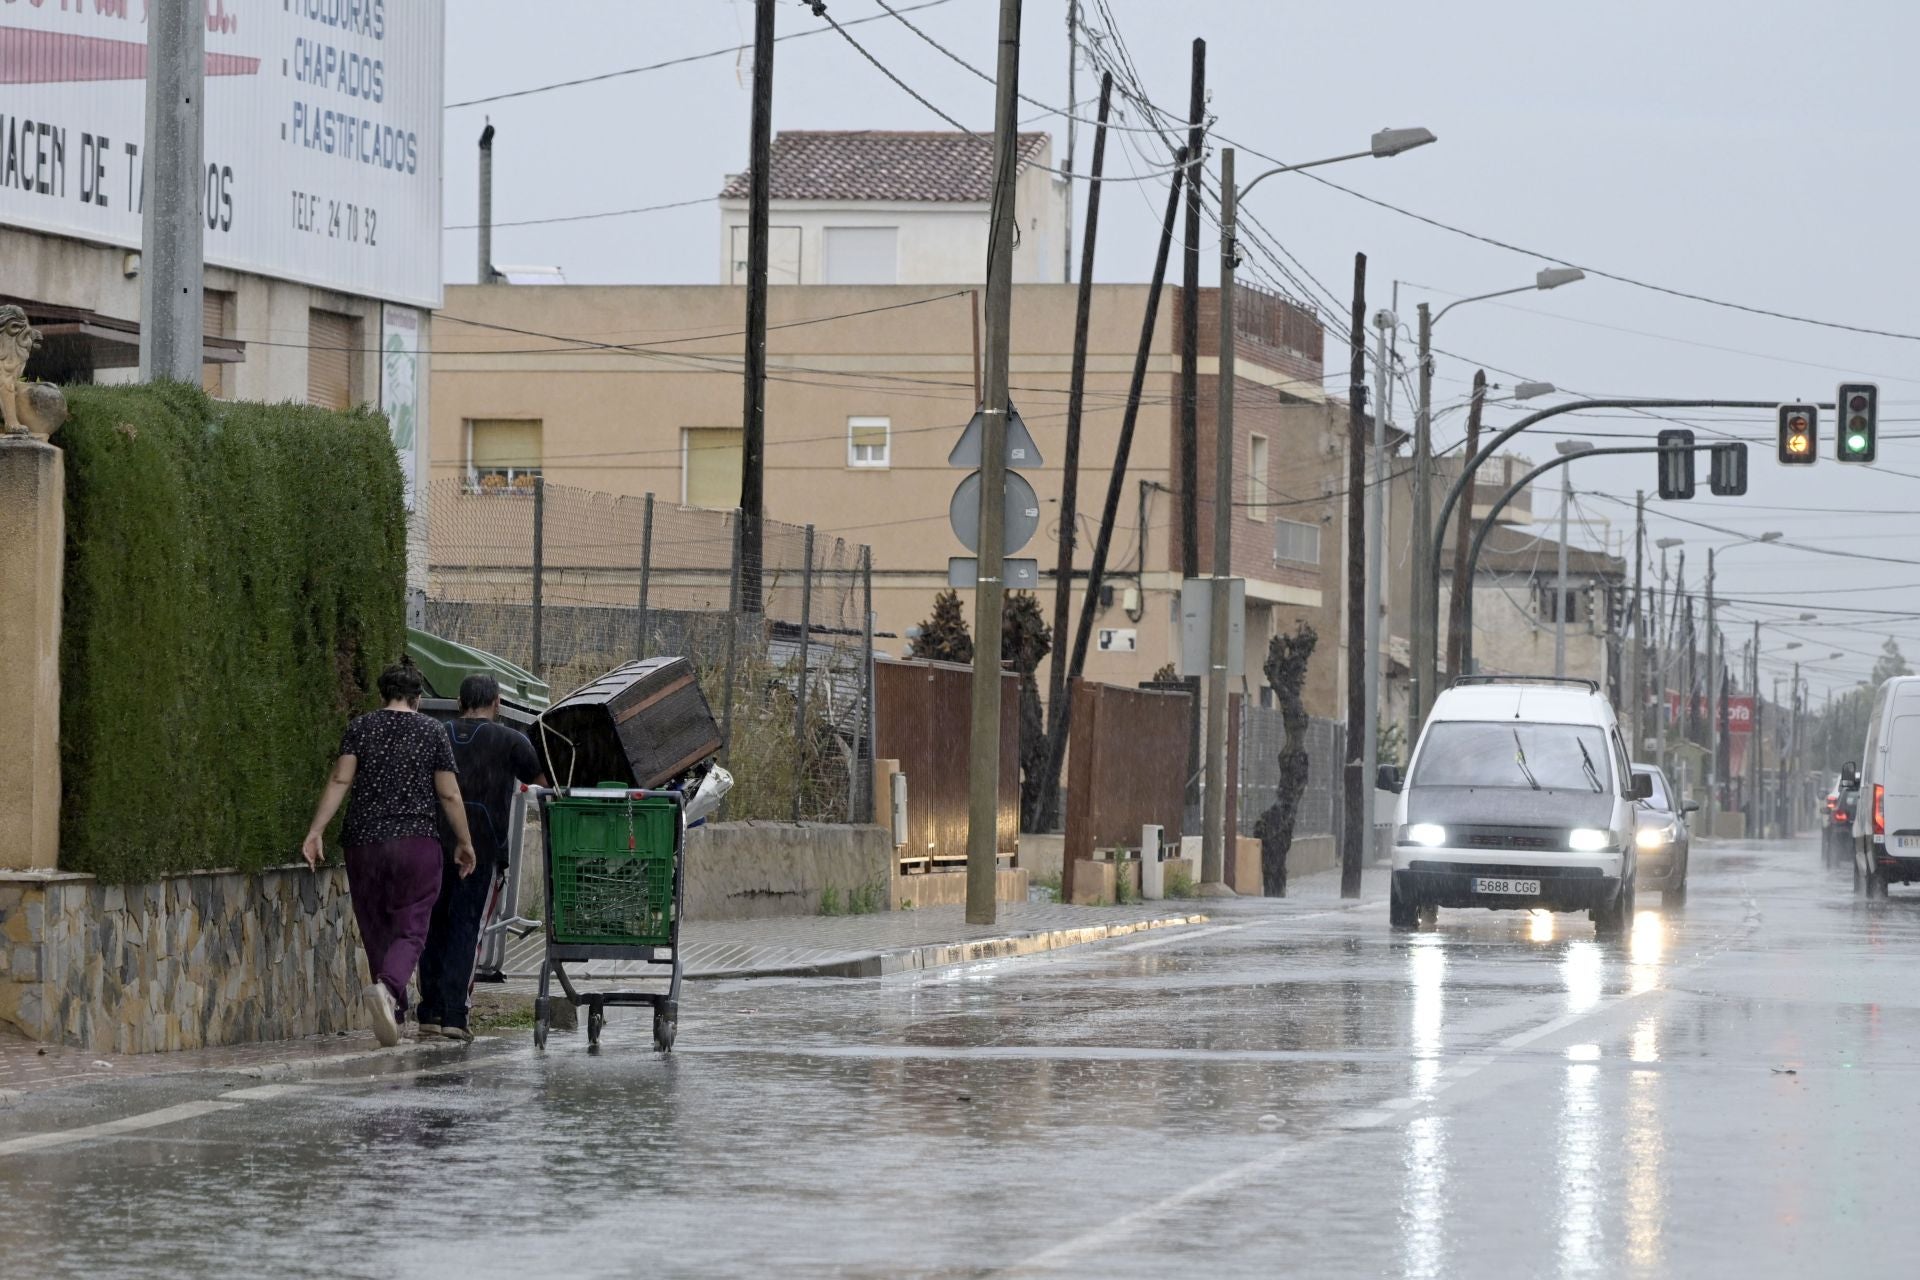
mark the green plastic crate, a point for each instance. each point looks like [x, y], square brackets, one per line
[611, 862]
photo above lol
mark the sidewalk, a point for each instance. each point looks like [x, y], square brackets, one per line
[872, 946]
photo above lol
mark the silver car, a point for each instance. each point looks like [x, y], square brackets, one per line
[1662, 838]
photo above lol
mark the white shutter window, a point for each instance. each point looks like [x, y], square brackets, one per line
[868, 443]
[503, 454]
[861, 255]
[1296, 542]
[711, 467]
[1259, 491]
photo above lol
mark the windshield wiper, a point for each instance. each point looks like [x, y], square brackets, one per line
[1586, 762]
[1520, 758]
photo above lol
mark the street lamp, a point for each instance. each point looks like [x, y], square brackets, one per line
[1565, 448]
[1716, 699]
[1659, 665]
[1385, 143]
[1426, 587]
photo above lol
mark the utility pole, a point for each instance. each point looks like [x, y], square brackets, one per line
[1215, 823]
[1793, 754]
[1634, 700]
[1073, 136]
[1560, 585]
[1426, 587]
[1713, 706]
[753, 428]
[1357, 830]
[983, 781]
[1070, 478]
[172, 244]
[1458, 596]
[1376, 521]
[1660, 669]
[1190, 322]
[1754, 745]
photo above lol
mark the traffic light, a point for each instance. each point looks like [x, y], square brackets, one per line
[1676, 463]
[1858, 407]
[1799, 434]
[1727, 472]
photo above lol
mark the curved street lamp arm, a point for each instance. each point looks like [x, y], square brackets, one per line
[1293, 168]
[1512, 491]
[1479, 297]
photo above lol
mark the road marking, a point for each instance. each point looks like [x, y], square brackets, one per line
[267, 1092]
[107, 1129]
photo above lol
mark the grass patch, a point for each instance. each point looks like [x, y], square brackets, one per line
[830, 903]
[865, 900]
[1048, 884]
[1179, 884]
[513, 1017]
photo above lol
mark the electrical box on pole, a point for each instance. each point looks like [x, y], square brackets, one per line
[1727, 470]
[1856, 437]
[1799, 434]
[1676, 463]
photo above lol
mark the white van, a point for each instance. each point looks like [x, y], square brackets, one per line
[1519, 795]
[1886, 818]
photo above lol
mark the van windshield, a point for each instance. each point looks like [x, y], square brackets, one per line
[1538, 757]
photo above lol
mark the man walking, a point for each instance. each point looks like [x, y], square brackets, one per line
[492, 758]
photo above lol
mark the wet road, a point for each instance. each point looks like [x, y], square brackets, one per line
[1292, 1090]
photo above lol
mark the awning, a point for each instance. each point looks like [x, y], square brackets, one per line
[77, 337]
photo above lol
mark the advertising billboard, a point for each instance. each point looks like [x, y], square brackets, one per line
[322, 151]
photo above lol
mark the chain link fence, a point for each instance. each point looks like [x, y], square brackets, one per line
[1263, 733]
[571, 583]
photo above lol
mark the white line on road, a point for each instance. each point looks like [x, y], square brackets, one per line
[109, 1128]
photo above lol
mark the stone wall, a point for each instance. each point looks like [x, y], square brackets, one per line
[203, 959]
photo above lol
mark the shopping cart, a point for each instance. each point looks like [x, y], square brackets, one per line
[614, 890]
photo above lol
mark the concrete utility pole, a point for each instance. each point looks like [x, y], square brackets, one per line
[753, 417]
[1560, 583]
[1457, 646]
[1637, 721]
[1357, 830]
[983, 781]
[1383, 321]
[172, 238]
[1213, 844]
[484, 272]
[1755, 746]
[1073, 137]
[1713, 707]
[1426, 590]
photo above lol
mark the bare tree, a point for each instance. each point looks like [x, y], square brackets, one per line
[1286, 671]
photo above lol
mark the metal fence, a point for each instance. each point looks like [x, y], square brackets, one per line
[1263, 733]
[571, 583]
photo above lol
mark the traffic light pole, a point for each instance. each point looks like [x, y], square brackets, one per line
[1514, 490]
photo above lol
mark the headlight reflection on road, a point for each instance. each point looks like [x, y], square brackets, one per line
[1583, 971]
[1579, 1161]
[1423, 1200]
[1646, 944]
[1540, 927]
[1428, 963]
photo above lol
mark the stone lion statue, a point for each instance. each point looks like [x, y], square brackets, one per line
[17, 341]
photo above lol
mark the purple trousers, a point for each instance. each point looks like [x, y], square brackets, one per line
[394, 884]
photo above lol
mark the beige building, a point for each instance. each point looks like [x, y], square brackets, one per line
[636, 389]
[1516, 604]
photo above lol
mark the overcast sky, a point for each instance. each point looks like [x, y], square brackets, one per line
[1748, 150]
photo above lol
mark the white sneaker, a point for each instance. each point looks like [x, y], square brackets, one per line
[380, 1011]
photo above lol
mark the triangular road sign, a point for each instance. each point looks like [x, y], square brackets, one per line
[1021, 450]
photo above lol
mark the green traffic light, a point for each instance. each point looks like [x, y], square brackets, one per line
[1856, 443]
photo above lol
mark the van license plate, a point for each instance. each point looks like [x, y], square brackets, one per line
[1526, 887]
[1906, 842]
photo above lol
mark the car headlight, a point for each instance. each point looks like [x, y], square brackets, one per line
[1653, 837]
[1588, 839]
[1430, 834]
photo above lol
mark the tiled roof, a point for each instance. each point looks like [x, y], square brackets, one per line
[874, 164]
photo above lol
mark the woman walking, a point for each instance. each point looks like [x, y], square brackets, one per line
[398, 764]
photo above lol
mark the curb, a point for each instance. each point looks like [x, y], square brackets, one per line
[939, 955]
[300, 1068]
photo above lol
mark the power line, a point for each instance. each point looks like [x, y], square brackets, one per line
[730, 50]
[584, 217]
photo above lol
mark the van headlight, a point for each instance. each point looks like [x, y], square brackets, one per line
[1653, 837]
[1589, 839]
[1430, 834]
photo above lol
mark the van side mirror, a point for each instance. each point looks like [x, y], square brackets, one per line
[1850, 774]
[1640, 787]
[1389, 778]
[1691, 806]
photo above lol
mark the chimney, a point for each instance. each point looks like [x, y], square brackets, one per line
[487, 275]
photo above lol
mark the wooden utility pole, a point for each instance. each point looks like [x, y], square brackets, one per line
[1462, 534]
[1116, 484]
[753, 425]
[1190, 323]
[1357, 830]
[1214, 822]
[1636, 713]
[1070, 480]
[989, 596]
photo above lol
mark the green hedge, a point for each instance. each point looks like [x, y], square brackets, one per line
[235, 581]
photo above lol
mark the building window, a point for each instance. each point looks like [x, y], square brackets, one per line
[861, 255]
[1296, 542]
[783, 255]
[710, 467]
[1259, 492]
[868, 442]
[333, 349]
[503, 454]
[216, 321]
